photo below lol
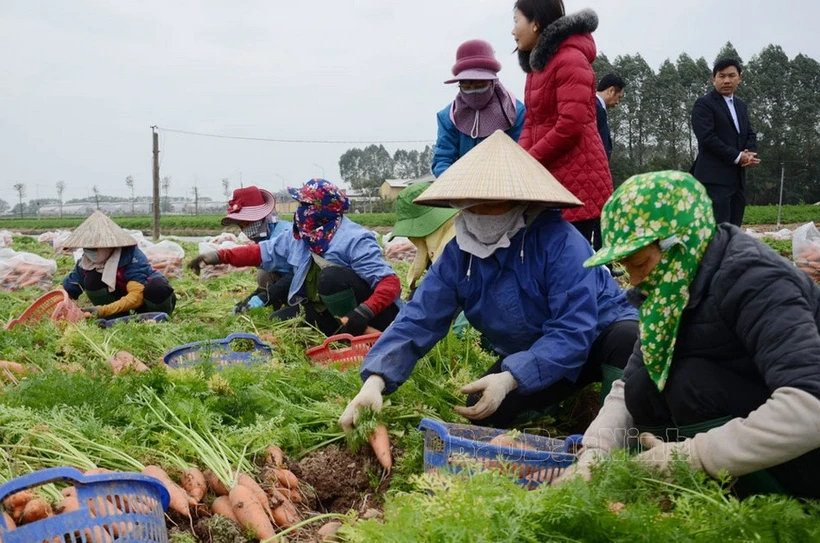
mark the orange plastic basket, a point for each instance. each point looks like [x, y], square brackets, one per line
[56, 305]
[344, 357]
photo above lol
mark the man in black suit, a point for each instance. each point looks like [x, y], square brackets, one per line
[727, 145]
[610, 92]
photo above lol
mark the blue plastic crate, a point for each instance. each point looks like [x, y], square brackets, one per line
[455, 447]
[219, 352]
[127, 507]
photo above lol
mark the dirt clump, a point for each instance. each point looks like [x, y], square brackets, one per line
[339, 479]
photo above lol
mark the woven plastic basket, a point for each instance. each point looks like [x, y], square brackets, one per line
[222, 352]
[456, 447]
[126, 507]
[343, 358]
[55, 304]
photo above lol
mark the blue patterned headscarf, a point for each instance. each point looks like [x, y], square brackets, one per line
[322, 205]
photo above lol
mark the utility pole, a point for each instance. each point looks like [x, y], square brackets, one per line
[155, 136]
[780, 203]
[196, 200]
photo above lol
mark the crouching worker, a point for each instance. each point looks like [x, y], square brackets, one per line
[727, 371]
[516, 268]
[341, 281]
[114, 273]
[253, 210]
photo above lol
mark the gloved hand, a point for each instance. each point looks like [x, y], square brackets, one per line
[357, 320]
[370, 396]
[208, 257]
[91, 311]
[581, 468]
[494, 388]
[659, 454]
[255, 302]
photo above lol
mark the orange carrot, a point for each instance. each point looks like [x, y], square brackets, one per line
[14, 367]
[286, 478]
[250, 513]
[193, 481]
[274, 455]
[380, 442]
[276, 496]
[69, 502]
[285, 515]
[36, 509]
[246, 480]
[288, 494]
[179, 499]
[222, 506]
[15, 503]
[328, 530]
[216, 486]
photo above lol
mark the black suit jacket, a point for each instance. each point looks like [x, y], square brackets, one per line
[603, 127]
[719, 143]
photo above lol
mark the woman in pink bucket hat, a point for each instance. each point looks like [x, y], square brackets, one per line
[481, 106]
[253, 210]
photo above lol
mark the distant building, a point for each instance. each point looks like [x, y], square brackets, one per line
[391, 188]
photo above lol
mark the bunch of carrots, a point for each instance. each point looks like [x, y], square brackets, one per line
[808, 260]
[168, 264]
[21, 274]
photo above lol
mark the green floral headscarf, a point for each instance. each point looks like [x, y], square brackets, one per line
[674, 209]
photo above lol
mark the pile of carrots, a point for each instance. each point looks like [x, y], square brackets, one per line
[262, 510]
[17, 273]
[808, 260]
[168, 264]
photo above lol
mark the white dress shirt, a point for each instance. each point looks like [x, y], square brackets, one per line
[730, 101]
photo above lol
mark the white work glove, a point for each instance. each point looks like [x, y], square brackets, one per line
[658, 454]
[606, 433]
[370, 395]
[494, 388]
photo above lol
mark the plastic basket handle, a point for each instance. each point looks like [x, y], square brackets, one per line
[38, 478]
[258, 345]
[574, 439]
[338, 337]
[434, 425]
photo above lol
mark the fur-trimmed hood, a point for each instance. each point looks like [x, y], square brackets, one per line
[554, 35]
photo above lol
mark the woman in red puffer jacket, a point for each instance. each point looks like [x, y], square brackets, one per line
[560, 131]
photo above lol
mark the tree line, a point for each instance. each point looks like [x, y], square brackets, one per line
[652, 129]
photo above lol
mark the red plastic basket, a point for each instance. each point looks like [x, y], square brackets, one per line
[56, 305]
[344, 357]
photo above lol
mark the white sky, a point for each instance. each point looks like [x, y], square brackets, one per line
[83, 80]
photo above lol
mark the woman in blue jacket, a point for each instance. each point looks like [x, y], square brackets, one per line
[114, 273]
[339, 273]
[516, 268]
[481, 107]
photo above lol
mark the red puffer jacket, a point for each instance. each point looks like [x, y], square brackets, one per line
[560, 129]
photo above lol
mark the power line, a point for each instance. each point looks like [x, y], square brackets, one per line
[279, 140]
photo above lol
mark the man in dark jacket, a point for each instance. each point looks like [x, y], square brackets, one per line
[610, 92]
[727, 145]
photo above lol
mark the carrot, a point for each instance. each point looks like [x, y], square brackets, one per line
[285, 515]
[286, 478]
[274, 455]
[14, 367]
[69, 502]
[222, 506]
[179, 499]
[36, 509]
[193, 481]
[328, 530]
[250, 513]
[124, 360]
[247, 481]
[10, 524]
[288, 494]
[504, 440]
[216, 486]
[15, 503]
[380, 442]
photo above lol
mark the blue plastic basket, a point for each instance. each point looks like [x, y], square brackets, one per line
[219, 352]
[126, 507]
[456, 447]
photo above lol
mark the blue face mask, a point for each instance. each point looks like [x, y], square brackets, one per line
[91, 254]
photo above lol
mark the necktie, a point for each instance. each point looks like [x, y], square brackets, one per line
[733, 113]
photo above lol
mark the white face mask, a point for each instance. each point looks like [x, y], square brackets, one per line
[97, 256]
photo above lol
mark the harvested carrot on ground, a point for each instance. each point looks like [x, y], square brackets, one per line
[285, 515]
[193, 481]
[214, 484]
[247, 481]
[250, 513]
[179, 499]
[222, 506]
[275, 456]
[286, 478]
[380, 442]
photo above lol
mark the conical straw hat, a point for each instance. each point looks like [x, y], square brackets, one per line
[497, 169]
[98, 232]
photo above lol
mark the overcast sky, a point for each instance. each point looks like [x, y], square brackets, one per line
[82, 81]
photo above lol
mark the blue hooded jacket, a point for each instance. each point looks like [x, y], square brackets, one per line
[534, 301]
[133, 266]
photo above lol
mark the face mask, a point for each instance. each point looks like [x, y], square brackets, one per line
[475, 91]
[478, 98]
[257, 231]
[91, 254]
